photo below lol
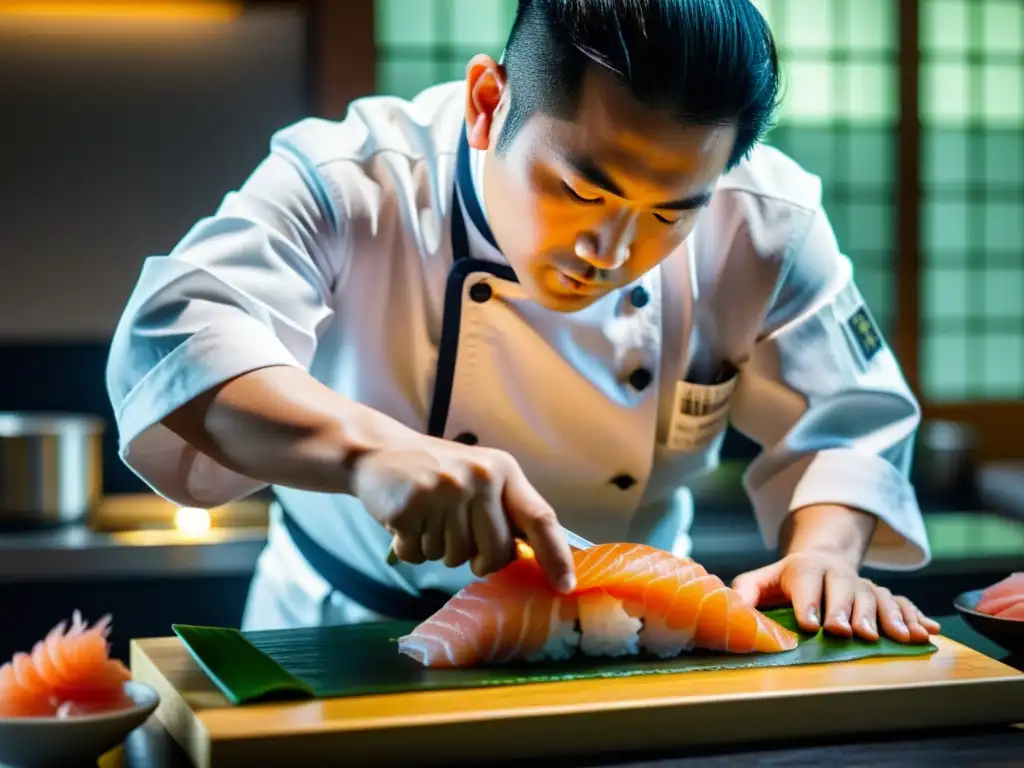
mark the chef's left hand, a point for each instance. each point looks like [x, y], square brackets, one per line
[852, 605]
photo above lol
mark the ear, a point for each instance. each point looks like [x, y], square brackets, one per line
[485, 88]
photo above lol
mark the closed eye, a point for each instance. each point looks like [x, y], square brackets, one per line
[661, 218]
[578, 197]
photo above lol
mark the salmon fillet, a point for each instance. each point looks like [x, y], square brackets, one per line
[628, 597]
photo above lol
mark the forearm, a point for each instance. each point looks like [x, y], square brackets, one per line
[829, 528]
[281, 426]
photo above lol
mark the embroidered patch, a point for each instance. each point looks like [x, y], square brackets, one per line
[865, 333]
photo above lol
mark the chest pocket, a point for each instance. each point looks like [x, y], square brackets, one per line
[700, 412]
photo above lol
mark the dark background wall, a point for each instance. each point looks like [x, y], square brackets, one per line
[114, 140]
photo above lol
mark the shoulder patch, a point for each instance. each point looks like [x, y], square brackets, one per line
[865, 333]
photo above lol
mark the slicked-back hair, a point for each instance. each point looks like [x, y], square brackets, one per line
[704, 62]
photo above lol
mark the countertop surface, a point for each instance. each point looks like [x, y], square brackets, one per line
[136, 536]
[1003, 746]
[140, 535]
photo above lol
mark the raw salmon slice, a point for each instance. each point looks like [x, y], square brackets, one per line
[1005, 598]
[629, 598]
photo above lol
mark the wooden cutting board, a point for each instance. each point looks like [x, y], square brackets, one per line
[955, 686]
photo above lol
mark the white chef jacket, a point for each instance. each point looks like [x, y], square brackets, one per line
[352, 252]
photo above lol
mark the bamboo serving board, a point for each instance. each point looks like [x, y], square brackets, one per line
[954, 686]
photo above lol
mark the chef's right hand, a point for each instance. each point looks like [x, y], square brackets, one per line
[457, 503]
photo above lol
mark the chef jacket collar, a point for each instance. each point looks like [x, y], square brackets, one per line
[469, 172]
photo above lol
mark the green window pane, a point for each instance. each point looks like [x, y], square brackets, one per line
[870, 159]
[769, 9]
[813, 148]
[406, 22]
[1004, 94]
[945, 94]
[944, 366]
[452, 69]
[840, 221]
[944, 230]
[870, 92]
[808, 26]
[1004, 227]
[876, 287]
[1004, 158]
[945, 295]
[1004, 295]
[406, 77]
[1004, 26]
[482, 24]
[944, 157]
[870, 228]
[944, 25]
[809, 92]
[1004, 366]
[870, 24]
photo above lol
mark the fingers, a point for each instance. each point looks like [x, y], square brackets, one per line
[755, 586]
[458, 538]
[489, 529]
[432, 542]
[408, 541]
[446, 529]
[532, 515]
[876, 611]
[915, 621]
[804, 589]
[890, 615]
[928, 623]
[865, 613]
[840, 593]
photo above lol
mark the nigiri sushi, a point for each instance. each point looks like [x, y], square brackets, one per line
[1005, 598]
[629, 599]
[68, 672]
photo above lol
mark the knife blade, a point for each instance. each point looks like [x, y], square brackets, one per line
[574, 539]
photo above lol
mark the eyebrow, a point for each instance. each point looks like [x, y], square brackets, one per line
[597, 176]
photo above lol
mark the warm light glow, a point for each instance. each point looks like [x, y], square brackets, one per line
[192, 521]
[125, 10]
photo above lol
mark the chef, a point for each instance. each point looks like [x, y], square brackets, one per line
[530, 299]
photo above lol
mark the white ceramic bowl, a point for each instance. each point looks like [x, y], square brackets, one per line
[38, 742]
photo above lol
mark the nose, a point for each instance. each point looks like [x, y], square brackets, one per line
[611, 250]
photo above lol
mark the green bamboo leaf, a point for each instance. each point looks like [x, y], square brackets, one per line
[363, 659]
[242, 672]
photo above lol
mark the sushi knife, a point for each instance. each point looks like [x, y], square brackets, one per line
[575, 540]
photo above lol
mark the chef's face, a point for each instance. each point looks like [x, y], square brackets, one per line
[581, 207]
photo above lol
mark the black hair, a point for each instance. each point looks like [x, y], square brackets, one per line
[707, 62]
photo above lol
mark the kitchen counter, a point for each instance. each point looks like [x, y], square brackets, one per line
[78, 552]
[139, 536]
[152, 747]
[135, 536]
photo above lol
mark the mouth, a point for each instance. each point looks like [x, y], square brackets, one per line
[574, 285]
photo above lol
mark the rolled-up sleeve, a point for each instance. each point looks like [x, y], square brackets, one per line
[247, 288]
[824, 396]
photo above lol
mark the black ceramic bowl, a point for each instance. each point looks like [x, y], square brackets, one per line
[1009, 633]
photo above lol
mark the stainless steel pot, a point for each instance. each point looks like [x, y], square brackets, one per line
[51, 468]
